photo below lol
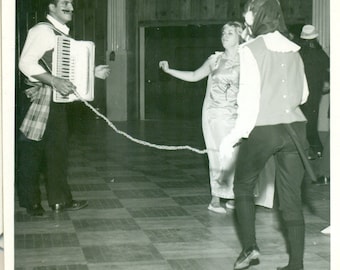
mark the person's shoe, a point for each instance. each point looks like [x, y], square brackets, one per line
[326, 230]
[230, 204]
[76, 205]
[247, 257]
[217, 209]
[322, 180]
[319, 154]
[288, 268]
[71, 206]
[58, 207]
[312, 155]
[36, 210]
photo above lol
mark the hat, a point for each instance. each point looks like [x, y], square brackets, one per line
[308, 32]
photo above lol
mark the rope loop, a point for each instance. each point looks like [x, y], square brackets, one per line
[161, 147]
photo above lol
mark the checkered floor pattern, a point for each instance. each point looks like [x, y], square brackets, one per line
[148, 209]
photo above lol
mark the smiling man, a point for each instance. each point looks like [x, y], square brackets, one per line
[43, 133]
[62, 10]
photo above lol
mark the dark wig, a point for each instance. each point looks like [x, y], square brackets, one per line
[268, 17]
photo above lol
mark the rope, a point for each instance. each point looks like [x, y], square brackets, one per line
[162, 147]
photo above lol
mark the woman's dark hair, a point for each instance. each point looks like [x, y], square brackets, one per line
[268, 17]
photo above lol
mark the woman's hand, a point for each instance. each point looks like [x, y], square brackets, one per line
[102, 71]
[164, 65]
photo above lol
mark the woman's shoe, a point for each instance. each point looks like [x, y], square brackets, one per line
[217, 209]
[230, 204]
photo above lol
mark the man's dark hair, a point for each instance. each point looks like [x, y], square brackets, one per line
[48, 2]
[55, 2]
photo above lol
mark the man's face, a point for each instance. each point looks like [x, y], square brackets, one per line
[63, 11]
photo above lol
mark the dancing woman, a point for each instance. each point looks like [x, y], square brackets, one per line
[220, 112]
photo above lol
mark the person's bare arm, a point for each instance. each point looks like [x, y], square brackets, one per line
[64, 87]
[189, 76]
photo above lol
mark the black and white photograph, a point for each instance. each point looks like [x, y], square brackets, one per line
[169, 135]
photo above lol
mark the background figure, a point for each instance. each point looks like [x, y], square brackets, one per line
[324, 164]
[269, 116]
[43, 135]
[316, 63]
[219, 114]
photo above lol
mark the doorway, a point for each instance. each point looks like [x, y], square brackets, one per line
[185, 48]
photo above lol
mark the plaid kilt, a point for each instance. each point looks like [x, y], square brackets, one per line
[34, 123]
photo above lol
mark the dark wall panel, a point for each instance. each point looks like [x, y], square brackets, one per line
[186, 48]
[186, 13]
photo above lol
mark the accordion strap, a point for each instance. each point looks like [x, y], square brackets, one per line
[57, 32]
[43, 62]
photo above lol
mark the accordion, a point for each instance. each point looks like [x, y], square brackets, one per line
[74, 61]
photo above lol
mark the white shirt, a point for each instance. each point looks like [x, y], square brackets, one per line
[40, 39]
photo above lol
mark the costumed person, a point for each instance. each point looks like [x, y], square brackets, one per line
[316, 63]
[270, 123]
[43, 133]
[219, 114]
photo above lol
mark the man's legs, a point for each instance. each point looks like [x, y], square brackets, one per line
[290, 173]
[56, 153]
[29, 164]
[253, 155]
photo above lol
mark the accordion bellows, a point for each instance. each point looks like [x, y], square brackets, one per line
[74, 60]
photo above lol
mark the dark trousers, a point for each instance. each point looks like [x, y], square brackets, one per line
[312, 114]
[264, 142]
[48, 156]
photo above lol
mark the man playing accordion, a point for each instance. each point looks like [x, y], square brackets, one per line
[43, 133]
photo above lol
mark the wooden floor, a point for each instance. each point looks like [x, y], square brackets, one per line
[148, 209]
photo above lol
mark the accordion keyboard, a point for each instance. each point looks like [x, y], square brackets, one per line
[74, 61]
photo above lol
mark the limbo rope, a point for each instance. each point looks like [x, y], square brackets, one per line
[162, 147]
